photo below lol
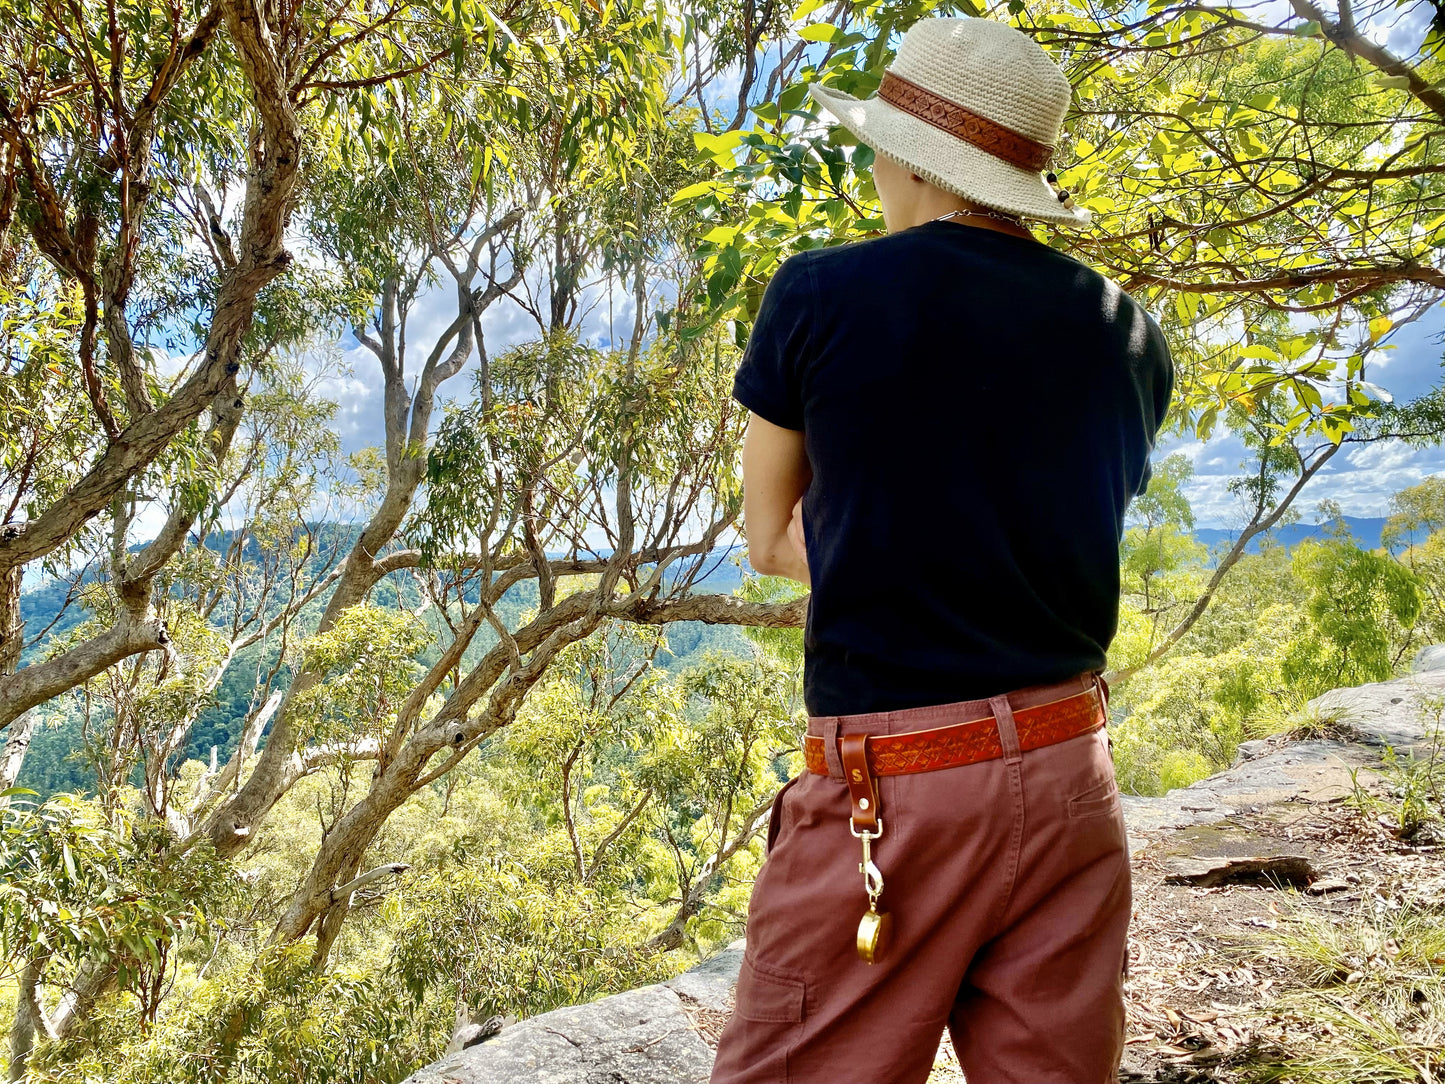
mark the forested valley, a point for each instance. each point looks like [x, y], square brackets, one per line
[314, 733]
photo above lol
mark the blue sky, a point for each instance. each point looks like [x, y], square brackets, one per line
[1361, 479]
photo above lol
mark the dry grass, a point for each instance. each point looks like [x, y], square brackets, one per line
[1369, 1005]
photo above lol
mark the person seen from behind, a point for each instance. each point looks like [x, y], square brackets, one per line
[947, 423]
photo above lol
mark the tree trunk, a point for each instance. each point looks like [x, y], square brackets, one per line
[28, 1017]
[12, 625]
[12, 756]
[339, 856]
[1262, 521]
[12, 641]
[91, 981]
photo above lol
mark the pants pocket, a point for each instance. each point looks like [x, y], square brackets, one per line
[767, 1022]
[1099, 799]
[769, 995]
[775, 818]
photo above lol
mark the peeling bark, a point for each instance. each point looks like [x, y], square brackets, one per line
[262, 258]
[29, 1018]
[12, 757]
[92, 981]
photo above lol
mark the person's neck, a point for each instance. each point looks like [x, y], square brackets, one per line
[969, 214]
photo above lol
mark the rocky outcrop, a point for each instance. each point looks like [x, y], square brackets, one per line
[1349, 728]
[663, 1034]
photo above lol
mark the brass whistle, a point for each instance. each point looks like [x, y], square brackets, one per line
[875, 930]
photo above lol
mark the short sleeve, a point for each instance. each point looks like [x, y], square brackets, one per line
[769, 379]
[1159, 370]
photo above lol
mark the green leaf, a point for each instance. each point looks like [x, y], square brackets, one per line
[792, 97]
[693, 191]
[1259, 350]
[820, 32]
[719, 147]
[1205, 425]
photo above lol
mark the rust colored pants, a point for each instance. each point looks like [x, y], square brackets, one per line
[1008, 882]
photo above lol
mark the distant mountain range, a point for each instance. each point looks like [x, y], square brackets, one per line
[1366, 533]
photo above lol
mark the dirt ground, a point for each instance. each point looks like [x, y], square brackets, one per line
[1205, 986]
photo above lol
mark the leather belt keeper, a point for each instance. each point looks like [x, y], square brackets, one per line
[852, 751]
[865, 756]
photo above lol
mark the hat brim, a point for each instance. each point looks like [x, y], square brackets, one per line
[947, 161]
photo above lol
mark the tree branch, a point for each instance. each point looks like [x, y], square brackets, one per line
[346, 891]
[1257, 525]
[615, 834]
[713, 610]
[1355, 43]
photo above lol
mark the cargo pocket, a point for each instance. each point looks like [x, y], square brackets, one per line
[770, 996]
[768, 1020]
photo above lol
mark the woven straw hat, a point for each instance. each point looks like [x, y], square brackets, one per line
[973, 106]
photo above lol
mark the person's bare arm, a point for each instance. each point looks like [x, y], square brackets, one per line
[776, 473]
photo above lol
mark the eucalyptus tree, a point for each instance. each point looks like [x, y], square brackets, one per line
[152, 163]
[79, 886]
[603, 476]
[1415, 535]
[718, 780]
[1270, 182]
[238, 593]
[153, 159]
[235, 597]
[526, 483]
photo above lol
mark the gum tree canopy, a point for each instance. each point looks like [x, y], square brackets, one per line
[152, 161]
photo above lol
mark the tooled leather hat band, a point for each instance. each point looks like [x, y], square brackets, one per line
[987, 135]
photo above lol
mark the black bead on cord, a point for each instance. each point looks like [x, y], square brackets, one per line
[1063, 195]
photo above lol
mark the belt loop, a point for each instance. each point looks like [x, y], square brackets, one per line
[830, 747]
[1008, 734]
[1101, 690]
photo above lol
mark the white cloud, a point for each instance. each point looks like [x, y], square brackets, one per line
[1189, 449]
[1384, 456]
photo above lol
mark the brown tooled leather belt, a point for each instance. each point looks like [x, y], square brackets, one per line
[971, 741]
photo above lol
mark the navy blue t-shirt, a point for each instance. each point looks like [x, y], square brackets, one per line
[978, 411]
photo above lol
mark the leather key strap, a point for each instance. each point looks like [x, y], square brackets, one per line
[853, 752]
